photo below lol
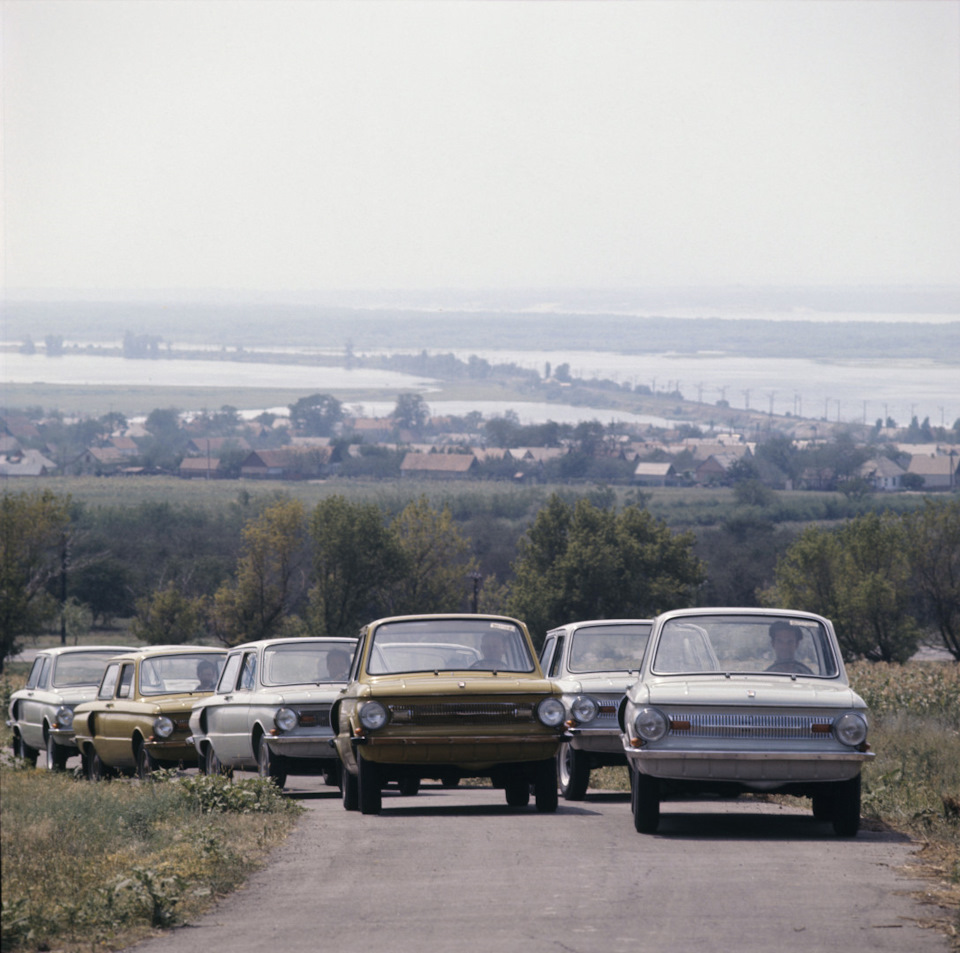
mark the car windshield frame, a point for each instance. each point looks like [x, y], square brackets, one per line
[81, 669]
[169, 674]
[587, 641]
[275, 669]
[448, 645]
[732, 644]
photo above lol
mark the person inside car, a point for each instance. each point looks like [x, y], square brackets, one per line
[785, 639]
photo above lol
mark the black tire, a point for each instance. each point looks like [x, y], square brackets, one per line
[331, 774]
[95, 767]
[645, 797]
[349, 791]
[270, 765]
[369, 794]
[22, 750]
[545, 787]
[823, 805]
[517, 790]
[450, 781]
[212, 763]
[56, 755]
[146, 763]
[846, 807]
[573, 772]
[409, 785]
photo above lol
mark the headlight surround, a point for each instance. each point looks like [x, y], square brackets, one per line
[163, 726]
[373, 715]
[64, 717]
[551, 712]
[650, 724]
[285, 719]
[850, 729]
[584, 709]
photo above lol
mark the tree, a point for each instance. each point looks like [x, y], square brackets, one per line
[316, 415]
[435, 563]
[583, 562]
[33, 530]
[105, 585]
[269, 576]
[411, 412]
[933, 548]
[356, 559]
[168, 617]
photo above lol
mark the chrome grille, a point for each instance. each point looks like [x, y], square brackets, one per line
[744, 725]
[314, 717]
[475, 713]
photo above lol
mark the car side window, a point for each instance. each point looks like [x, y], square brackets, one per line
[228, 679]
[126, 681]
[557, 658]
[109, 682]
[34, 676]
[44, 680]
[248, 675]
[546, 652]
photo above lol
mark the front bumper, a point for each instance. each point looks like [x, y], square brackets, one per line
[478, 751]
[601, 740]
[292, 746]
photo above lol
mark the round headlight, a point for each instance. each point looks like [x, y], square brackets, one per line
[285, 719]
[373, 715]
[64, 717]
[850, 728]
[650, 724]
[584, 709]
[163, 727]
[551, 712]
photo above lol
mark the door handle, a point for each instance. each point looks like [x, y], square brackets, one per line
[228, 698]
[109, 705]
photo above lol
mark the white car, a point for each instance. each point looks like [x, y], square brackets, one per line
[735, 700]
[41, 713]
[592, 663]
[271, 709]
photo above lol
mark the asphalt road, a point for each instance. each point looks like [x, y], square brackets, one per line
[457, 870]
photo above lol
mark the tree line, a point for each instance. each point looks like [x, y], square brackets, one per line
[270, 567]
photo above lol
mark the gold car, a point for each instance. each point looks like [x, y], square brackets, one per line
[140, 719]
[448, 697]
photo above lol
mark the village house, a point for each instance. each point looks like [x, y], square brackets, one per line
[440, 466]
[288, 463]
[26, 463]
[883, 474]
[654, 474]
[939, 471]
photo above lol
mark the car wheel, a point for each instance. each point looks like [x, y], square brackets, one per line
[22, 750]
[409, 785]
[146, 763]
[846, 807]
[645, 797]
[349, 791]
[56, 755]
[95, 768]
[517, 790]
[545, 786]
[450, 781]
[270, 765]
[573, 772]
[213, 764]
[368, 783]
[331, 775]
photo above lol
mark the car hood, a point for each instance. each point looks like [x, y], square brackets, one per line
[745, 690]
[63, 696]
[297, 695]
[464, 684]
[601, 684]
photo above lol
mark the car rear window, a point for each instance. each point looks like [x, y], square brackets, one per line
[81, 668]
[608, 648]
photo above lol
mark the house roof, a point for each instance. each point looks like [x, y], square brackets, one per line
[438, 462]
[939, 465]
[653, 469]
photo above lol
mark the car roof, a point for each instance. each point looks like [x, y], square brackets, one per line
[157, 650]
[306, 640]
[58, 650]
[570, 626]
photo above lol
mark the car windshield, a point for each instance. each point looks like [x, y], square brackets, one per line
[175, 674]
[448, 645]
[744, 644]
[78, 669]
[608, 648]
[299, 663]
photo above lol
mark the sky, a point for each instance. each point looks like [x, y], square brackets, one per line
[296, 146]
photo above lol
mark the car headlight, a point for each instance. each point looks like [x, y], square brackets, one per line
[64, 717]
[850, 728]
[551, 712]
[373, 715]
[650, 724]
[584, 709]
[163, 727]
[285, 719]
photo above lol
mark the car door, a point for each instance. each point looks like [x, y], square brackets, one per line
[30, 708]
[113, 738]
[215, 710]
[233, 745]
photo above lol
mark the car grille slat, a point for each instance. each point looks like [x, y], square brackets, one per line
[743, 725]
[314, 717]
[467, 713]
